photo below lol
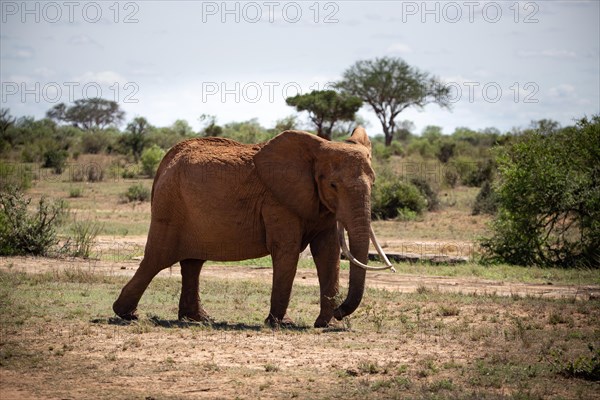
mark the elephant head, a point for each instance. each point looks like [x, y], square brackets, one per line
[314, 177]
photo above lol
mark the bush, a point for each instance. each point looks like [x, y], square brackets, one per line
[422, 146]
[246, 132]
[98, 142]
[583, 367]
[15, 175]
[484, 172]
[137, 192]
[446, 151]
[28, 233]
[394, 197]
[433, 202]
[463, 166]
[549, 199]
[451, 177]
[383, 152]
[55, 159]
[75, 192]
[83, 238]
[486, 201]
[151, 158]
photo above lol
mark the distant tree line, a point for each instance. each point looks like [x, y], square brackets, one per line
[540, 183]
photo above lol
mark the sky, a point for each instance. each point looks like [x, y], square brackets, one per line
[507, 63]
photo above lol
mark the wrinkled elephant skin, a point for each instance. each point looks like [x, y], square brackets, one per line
[216, 199]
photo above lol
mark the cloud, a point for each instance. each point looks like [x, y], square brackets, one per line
[102, 78]
[20, 79]
[83, 40]
[44, 72]
[562, 91]
[401, 48]
[19, 53]
[549, 53]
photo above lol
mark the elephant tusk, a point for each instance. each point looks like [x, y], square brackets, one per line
[353, 259]
[386, 261]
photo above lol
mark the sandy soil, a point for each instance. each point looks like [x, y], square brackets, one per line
[381, 280]
[234, 362]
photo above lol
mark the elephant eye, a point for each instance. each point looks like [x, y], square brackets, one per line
[333, 185]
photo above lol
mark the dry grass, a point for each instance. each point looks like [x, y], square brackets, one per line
[58, 340]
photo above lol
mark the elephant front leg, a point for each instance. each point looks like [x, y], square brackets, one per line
[189, 302]
[325, 250]
[285, 264]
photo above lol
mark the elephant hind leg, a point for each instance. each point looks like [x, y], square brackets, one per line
[153, 262]
[189, 302]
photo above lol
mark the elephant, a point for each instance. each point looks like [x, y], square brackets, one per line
[216, 199]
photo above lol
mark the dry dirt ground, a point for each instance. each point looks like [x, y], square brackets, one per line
[377, 280]
[450, 338]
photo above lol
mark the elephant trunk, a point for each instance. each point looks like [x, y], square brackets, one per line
[359, 247]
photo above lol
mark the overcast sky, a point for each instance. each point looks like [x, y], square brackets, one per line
[507, 63]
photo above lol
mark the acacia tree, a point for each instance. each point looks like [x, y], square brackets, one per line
[88, 114]
[136, 136]
[325, 108]
[389, 85]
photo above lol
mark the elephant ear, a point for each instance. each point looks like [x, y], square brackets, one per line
[359, 136]
[285, 165]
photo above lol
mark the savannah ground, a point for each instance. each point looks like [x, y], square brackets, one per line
[429, 331]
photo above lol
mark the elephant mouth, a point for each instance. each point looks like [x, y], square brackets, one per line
[353, 260]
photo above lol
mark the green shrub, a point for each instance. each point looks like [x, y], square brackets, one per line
[137, 192]
[55, 159]
[486, 201]
[433, 202]
[23, 232]
[82, 239]
[463, 166]
[98, 142]
[446, 151]
[122, 169]
[484, 172]
[381, 151]
[422, 146]
[583, 367]
[246, 132]
[451, 177]
[549, 199]
[151, 158]
[75, 192]
[393, 197]
[17, 175]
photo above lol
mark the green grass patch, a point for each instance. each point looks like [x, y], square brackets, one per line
[505, 273]
[394, 345]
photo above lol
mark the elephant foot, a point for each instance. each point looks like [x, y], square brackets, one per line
[285, 322]
[323, 322]
[125, 313]
[197, 316]
[129, 316]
